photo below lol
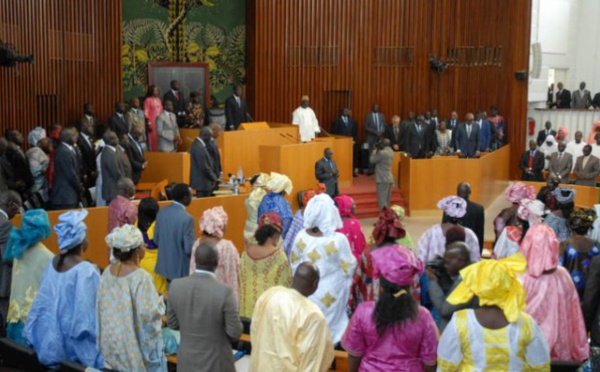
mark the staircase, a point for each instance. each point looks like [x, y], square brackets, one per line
[364, 193]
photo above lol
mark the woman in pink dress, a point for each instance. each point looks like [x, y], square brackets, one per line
[152, 108]
[394, 333]
[352, 228]
[552, 299]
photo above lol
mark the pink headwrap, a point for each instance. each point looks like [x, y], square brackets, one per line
[531, 210]
[518, 191]
[397, 264]
[540, 248]
[214, 221]
[565, 133]
[344, 204]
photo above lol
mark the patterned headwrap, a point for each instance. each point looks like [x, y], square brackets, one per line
[582, 219]
[388, 225]
[531, 210]
[540, 248]
[271, 218]
[35, 227]
[344, 204]
[397, 264]
[495, 282]
[454, 206]
[321, 212]
[400, 212]
[125, 238]
[518, 191]
[564, 195]
[214, 221]
[71, 230]
[36, 135]
[279, 183]
[258, 189]
[310, 193]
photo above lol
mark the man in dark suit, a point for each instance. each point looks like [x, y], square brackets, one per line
[67, 190]
[404, 127]
[213, 149]
[453, 125]
[345, 125]
[416, 138]
[176, 233]
[563, 97]
[176, 96]
[119, 122]
[374, 126]
[596, 100]
[88, 116]
[135, 154]
[474, 219]
[236, 110]
[111, 168]
[542, 134]
[467, 138]
[327, 173]
[430, 137]
[532, 164]
[486, 132]
[18, 160]
[85, 145]
[202, 170]
[208, 326]
[10, 203]
[393, 133]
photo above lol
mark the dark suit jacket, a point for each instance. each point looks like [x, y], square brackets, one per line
[175, 232]
[135, 153]
[596, 100]
[370, 126]
[324, 174]
[468, 145]
[395, 139]
[404, 127]
[474, 219]
[563, 99]
[430, 138]
[340, 128]
[119, 125]
[88, 161]
[125, 162]
[415, 141]
[202, 169]
[235, 114]
[486, 135]
[536, 168]
[20, 166]
[9, 176]
[213, 151]
[541, 137]
[67, 187]
[178, 104]
[112, 170]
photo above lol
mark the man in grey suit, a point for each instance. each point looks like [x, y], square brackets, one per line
[382, 158]
[175, 232]
[205, 312]
[582, 98]
[167, 129]
[10, 204]
[587, 168]
[467, 138]
[68, 188]
[326, 172]
[560, 164]
[111, 168]
[203, 178]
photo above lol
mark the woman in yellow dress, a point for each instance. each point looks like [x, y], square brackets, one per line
[147, 211]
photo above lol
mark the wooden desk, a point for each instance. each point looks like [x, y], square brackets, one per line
[154, 190]
[171, 166]
[586, 196]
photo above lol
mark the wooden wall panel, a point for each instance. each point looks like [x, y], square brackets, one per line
[77, 49]
[378, 50]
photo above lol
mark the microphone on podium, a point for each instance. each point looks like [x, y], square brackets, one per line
[284, 136]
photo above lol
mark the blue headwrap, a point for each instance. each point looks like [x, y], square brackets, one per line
[71, 229]
[35, 227]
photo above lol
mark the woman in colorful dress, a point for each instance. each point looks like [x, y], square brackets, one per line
[552, 299]
[277, 187]
[558, 219]
[152, 108]
[147, 211]
[444, 140]
[298, 221]
[263, 265]
[213, 225]
[29, 257]
[62, 320]
[529, 214]
[38, 157]
[578, 251]
[195, 112]
[352, 227]
[129, 309]
[393, 333]
[498, 336]
[514, 193]
[252, 202]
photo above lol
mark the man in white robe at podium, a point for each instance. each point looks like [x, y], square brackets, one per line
[306, 119]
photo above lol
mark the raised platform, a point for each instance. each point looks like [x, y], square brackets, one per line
[364, 193]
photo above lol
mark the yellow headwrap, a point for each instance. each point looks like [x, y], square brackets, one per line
[495, 282]
[278, 183]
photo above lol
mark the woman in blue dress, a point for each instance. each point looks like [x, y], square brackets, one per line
[277, 187]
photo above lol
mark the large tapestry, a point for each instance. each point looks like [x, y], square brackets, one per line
[207, 31]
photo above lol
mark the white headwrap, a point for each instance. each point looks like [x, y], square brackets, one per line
[321, 212]
[278, 183]
[531, 210]
[549, 149]
[125, 238]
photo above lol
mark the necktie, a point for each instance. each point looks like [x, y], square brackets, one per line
[331, 164]
[345, 120]
[419, 129]
[468, 130]
[237, 99]
[396, 132]
[376, 121]
[177, 95]
[531, 153]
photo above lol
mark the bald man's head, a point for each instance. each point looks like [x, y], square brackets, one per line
[306, 279]
[207, 257]
[463, 190]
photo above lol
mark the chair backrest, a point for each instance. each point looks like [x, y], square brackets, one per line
[14, 355]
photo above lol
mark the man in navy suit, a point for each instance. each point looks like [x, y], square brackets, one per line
[236, 110]
[345, 125]
[68, 188]
[542, 134]
[176, 96]
[453, 125]
[486, 132]
[467, 138]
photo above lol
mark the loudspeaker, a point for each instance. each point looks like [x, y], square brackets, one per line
[521, 75]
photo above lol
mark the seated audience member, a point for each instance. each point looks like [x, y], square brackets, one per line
[474, 218]
[213, 225]
[122, 156]
[129, 309]
[195, 112]
[277, 186]
[167, 129]
[263, 265]
[587, 168]
[118, 122]
[499, 335]
[18, 161]
[203, 178]
[330, 252]
[207, 327]
[591, 314]
[135, 154]
[529, 214]
[298, 221]
[575, 147]
[560, 164]
[596, 145]
[136, 117]
[121, 211]
[111, 168]
[393, 133]
[456, 258]
[62, 320]
[39, 160]
[352, 228]
[147, 211]
[498, 121]
[467, 138]
[258, 182]
[552, 299]
[444, 140]
[394, 332]
[433, 241]
[67, 191]
[514, 193]
[29, 258]
[299, 340]
[387, 231]
[546, 195]
[407, 239]
[579, 249]
[544, 133]
[532, 164]
[558, 219]
[174, 234]
[212, 148]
